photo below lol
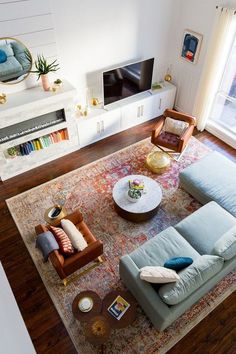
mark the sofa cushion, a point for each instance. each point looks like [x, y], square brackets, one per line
[178, 263]
[158, 275]
[205, 226]
[63, 240]
[167, 244]
[7, 49]
[74, 235]
[212, 178]
[10, 67]
[3, 56]
[193, 277]
[226, 246]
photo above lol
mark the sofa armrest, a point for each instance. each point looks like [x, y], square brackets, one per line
[158, 312]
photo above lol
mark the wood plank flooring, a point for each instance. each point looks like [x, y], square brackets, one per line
[215, 334]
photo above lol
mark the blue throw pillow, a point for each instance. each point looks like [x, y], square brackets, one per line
[178, 263]
[3, 56]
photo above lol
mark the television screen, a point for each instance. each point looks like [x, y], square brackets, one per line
[127, 80]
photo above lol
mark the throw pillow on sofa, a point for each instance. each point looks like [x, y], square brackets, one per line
[178, 263]
[226, 245]
[63, 240]
[74, 235]
[191, 278]
[158, 275]
[3, 56]
[174, 126]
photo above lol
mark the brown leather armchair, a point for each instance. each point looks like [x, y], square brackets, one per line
[171, 141]
[66, 265]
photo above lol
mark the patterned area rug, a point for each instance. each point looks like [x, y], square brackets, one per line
[90, 189]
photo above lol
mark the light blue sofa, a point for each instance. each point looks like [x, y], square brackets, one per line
[193, 237]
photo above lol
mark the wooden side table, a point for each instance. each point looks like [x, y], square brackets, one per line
[128, 317]
[86, 316]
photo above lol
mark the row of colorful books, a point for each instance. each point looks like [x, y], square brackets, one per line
[42, 142]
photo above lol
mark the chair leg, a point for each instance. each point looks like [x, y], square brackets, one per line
[65, 281]
[100, 259]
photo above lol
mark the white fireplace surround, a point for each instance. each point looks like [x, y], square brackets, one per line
[32, 103]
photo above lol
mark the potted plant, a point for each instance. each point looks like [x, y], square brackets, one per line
[43, 68]
[134, 195]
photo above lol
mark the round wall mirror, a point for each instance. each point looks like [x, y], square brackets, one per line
[15, 61]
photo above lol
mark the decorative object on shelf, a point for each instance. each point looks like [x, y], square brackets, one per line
[158, 161]
[95, 101]
[3, 98]
[12, 151]
[133, 195]
[16, 61]
[157, 86]
[191, 46]
[168, 76]
[82, 111]
[58, 82]
[43, 68]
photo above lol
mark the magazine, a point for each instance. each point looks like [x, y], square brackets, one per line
[118, 308]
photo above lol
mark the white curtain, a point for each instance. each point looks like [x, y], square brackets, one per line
[216, 57]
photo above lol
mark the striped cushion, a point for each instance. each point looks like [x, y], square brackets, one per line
[63, 240]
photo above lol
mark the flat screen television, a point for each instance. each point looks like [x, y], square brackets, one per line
[127, 80]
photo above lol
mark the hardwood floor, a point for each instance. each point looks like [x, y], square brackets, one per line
[215, 334]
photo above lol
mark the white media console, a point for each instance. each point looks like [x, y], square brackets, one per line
[101, 123]
[46, 123]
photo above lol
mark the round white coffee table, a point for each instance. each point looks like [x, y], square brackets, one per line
[147, 205]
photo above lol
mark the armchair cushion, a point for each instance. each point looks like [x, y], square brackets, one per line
[175, 126]
[74, 235]
[166, 139]
[63, 240]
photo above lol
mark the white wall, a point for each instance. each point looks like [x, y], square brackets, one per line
[94, 35]
[196, 15]
[31, 22]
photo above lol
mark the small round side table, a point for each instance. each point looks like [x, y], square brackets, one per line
[97, 330]
[128, 317]
[86, 316]
[54, 221]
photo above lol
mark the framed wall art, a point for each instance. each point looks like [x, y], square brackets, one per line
[191, 46]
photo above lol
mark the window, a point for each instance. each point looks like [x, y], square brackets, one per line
[223, 112]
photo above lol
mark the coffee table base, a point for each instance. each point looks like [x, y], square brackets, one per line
[135, 217]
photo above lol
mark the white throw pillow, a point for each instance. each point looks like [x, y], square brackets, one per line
[158, 275]
[174, 126]
[74, 235]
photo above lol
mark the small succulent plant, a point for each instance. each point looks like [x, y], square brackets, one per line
[134, 193]
[58, 82]
[12, 151]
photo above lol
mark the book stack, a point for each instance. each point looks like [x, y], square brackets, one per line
[42, 142]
